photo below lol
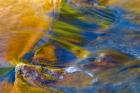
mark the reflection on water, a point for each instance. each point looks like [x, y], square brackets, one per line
[69, 46]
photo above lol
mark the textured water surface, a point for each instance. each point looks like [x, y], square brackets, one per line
[69, 46]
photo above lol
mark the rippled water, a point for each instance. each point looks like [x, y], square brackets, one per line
[78, 46]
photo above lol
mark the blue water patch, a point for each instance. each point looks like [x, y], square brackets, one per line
[10, 76]
[64, 56]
